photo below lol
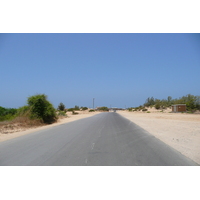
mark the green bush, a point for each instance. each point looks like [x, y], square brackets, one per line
[70, 109]
[84, 108]
[62, 113]
[104, 108]
[41, 108]
[157, 106]
[7, 114]
[91, 110]
[7, 117]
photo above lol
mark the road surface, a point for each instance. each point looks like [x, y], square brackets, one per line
[106, 139]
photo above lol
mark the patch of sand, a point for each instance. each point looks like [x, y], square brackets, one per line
[18, 131]
[179, 130]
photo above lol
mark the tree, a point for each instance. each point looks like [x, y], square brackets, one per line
[41, 108]
[61, 107]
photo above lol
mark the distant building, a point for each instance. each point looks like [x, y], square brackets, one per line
[179, 108]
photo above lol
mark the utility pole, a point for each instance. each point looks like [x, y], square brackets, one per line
[93, 103]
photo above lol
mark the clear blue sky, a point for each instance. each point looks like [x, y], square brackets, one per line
[116, 69]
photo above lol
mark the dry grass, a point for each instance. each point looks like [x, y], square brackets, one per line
[20, 123]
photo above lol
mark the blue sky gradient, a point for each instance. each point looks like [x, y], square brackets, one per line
[116, 69]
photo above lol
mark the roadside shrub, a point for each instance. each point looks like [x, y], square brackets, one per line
[139, 108]
[91, 110]
[70, 109]
[7, 114]
[41, 108]
[7, 117]
[62, 113]
[84, 108]
[157, 106]
[104, 108]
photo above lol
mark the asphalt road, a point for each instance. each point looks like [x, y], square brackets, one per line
[106, 139]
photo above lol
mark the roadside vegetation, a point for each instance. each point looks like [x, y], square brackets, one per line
[76, 108]
[7, 113]
[61, 111]
[41, 109]
[38, 111]
[104, 108]
[192, 103]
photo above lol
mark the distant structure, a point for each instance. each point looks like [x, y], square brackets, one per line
[179, 108]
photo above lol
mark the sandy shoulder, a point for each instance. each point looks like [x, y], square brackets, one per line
[179, 130]
[70, 118]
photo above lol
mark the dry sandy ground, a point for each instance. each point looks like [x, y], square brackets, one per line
[179, 130]
[19, 131]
